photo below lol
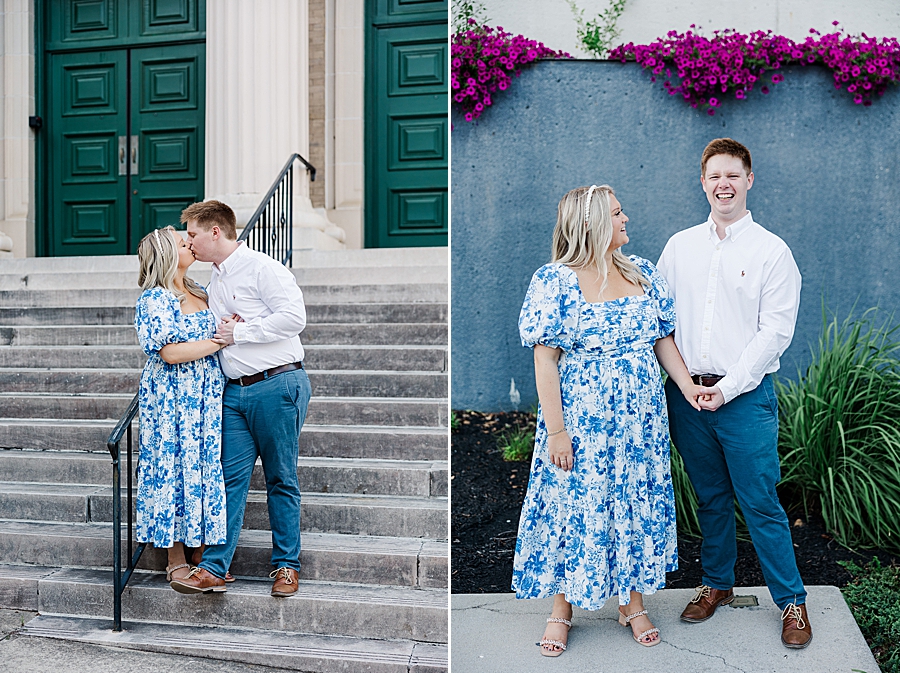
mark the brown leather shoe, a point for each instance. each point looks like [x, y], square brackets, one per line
[199, 581]
[705, 602]
[285, 582]
[197, 556]
[796, 631]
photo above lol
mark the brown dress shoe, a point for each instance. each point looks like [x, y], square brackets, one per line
[705, 602]
[197, 557]
[199, 581]
[285, 582]
[796, 631]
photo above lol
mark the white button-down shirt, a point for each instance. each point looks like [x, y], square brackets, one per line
[265, 294]
[736, 301]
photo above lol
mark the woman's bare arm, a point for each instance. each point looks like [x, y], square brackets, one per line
[671, 360]
[546, 375]
[188, 351]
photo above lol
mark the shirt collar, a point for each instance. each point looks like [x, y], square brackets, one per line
[732, 231]
[233, 259]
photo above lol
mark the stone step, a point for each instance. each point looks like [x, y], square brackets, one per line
[412, 562]
[325, 276]
[334, 441]
[324, 383]
[363, 611]
[339, 334]
[332, 410]
[312, 294]
[316, 475]
[302, 260]
[334, 358]
[270, 648]
[24, 313]
[382, 515]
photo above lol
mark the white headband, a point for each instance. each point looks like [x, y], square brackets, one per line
[587, 204]
[156, 233]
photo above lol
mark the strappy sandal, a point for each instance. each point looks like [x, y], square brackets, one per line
[172, 569]
[556, 643]
[639, 639]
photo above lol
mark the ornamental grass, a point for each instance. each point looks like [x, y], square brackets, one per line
[839, 438]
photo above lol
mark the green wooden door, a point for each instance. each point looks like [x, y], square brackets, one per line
[167, 129]
[88, 118]
[124, 110]
[406, 124]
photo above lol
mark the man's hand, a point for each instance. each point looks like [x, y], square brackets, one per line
[711, 398]
[225, 330]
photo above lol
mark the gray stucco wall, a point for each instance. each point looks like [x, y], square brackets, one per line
[827, 182]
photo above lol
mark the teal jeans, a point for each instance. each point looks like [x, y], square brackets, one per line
[733, 453]
[263, 420]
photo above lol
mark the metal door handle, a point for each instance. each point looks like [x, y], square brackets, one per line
[123, 166]
[134, 155]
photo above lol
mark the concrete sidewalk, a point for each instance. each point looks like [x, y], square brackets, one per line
[497, 633]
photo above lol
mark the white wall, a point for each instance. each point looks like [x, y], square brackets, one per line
[552, 22]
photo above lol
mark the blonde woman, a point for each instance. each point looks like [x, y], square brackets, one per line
[599, 516]
[181, 493]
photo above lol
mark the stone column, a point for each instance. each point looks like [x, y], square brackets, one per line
[16, 139]
[257, 109]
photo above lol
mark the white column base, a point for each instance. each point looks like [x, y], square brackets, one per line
[6, 246]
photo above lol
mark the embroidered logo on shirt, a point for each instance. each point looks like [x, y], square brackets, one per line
[743, 273]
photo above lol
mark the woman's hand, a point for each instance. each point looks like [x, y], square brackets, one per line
[560, 448]
[691, 393]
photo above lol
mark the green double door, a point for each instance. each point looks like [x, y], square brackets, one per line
[407, 135]
[124, 121]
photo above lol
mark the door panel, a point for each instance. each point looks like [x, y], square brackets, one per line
[87, 192]
[167, 116]
[407, 136]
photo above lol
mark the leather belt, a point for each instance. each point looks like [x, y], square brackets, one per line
[250, 379]
[706, 380]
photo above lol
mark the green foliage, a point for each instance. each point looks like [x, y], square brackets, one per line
[463, 11]
[518, 443]
[874, 599]
[839, 436]
[454, 422]
[597, 35]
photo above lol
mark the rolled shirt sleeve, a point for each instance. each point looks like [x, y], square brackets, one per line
[284, 299]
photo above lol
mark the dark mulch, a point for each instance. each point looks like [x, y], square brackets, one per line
[487, 494]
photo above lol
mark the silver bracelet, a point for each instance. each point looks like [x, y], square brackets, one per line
[550, 434]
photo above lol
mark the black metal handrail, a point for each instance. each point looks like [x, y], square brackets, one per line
[120, 581]
[271, 229]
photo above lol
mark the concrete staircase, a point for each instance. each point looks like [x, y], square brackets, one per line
[372, 468]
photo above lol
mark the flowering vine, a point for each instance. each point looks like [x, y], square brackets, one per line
[483, 60]
[731, 62]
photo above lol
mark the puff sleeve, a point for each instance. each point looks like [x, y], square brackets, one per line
[659, 293]
[156, 319]
[549, 315]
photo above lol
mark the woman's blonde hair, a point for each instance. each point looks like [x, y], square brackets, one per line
[158, 257]
[584, 231]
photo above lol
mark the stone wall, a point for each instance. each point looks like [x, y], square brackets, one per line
[827, 182]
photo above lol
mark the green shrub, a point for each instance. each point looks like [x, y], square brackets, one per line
[454, 421]
[874, 599]
[517, 444]
[839, 436]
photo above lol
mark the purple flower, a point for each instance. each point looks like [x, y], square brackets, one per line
[765, 89]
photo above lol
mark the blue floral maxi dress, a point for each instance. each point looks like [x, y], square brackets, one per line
[180, 488]
[607, 527]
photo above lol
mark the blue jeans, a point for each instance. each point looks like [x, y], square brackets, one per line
[263, 420]
[733, 452]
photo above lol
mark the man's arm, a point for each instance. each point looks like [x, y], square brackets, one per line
[288, 318]
[778, 306]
